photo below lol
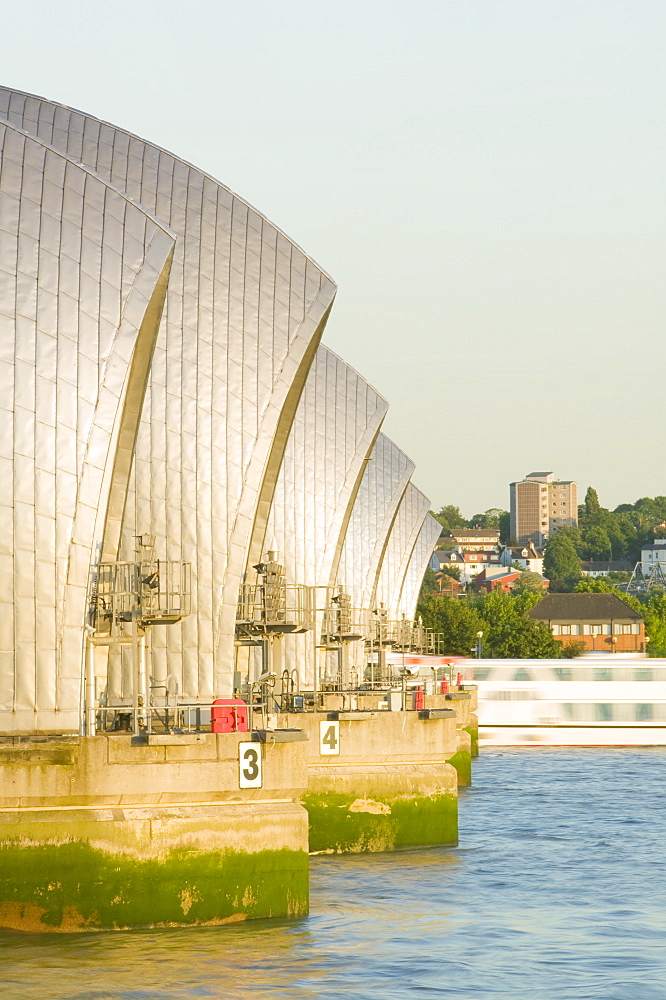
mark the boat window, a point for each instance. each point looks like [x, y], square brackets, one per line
[581, 712]
[509, 696]
[644, 712]
[643, 674]
[602, 674]
[482, 673]
[522, 674]
[563, 673]
[603, 713]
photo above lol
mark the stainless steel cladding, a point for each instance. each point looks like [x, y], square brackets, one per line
[418, 561]
[407, 524]
[336, 423]
[83, 279]
[381, 490]
[244, 312]
[166, 405]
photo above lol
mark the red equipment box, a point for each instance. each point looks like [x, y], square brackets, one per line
[228, 715]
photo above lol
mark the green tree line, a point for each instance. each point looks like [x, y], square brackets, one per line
[501, 617]
[602, 535]
[509, 632]
[494, 519]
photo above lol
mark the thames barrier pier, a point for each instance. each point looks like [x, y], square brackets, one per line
[208, 549]
[109, 832]
[380, 781]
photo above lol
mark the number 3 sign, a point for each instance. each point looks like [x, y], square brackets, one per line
[249, 765]
[329, 737]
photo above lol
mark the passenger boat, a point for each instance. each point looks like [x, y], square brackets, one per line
[595, 699]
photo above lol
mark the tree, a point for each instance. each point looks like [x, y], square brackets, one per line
[594, 585]
[508, 632]
[571, 649]
[599, 585]
[574, 536]
[654, 613]
[505, 527]
[490, 519]
[450, 517]
[429, 584]
[524, 600]
[453, 572]
[592, 505]
[527, 639]
[498, 611]
[561, 563]
[598, 542]
[618, 576]
[456, 620]
[529, 581]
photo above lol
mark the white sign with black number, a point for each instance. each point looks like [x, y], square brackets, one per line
[249, 765]
[329, 737]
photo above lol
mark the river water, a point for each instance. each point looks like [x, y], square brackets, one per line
[557, 892]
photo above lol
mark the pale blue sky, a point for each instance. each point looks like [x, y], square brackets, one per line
[484, 180]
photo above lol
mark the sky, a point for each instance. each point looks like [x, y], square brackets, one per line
[483, 179]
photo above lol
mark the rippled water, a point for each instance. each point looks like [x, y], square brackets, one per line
[557, 892]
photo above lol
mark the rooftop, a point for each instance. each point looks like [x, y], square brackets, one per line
[582, 607]
[472, 533]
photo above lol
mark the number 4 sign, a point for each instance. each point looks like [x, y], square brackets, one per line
[249, 765]
[329, 737]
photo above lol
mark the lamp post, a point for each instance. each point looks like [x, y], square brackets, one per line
[613, 643]
[479, 649]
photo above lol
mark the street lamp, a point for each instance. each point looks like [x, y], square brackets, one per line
[613, 643]
[479, 650]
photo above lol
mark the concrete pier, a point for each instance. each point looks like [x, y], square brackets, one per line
[467, 729]
[115, 831]
[380, 780]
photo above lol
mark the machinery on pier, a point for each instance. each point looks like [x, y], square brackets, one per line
[126, 600]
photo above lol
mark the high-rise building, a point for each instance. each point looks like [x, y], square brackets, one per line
[539, 505]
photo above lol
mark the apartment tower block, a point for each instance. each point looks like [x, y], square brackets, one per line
[540, 504]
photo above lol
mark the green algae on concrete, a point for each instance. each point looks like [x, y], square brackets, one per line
[462, 761]
[474, 735]
[75, 886]
[341, 824]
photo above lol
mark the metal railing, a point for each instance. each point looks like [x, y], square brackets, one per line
[265, 608]
[185, 717]
[154, 593]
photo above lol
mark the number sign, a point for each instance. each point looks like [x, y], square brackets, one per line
[329, 737]
[249, 765]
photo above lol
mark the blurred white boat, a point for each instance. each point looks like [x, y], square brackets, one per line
[593, 700]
